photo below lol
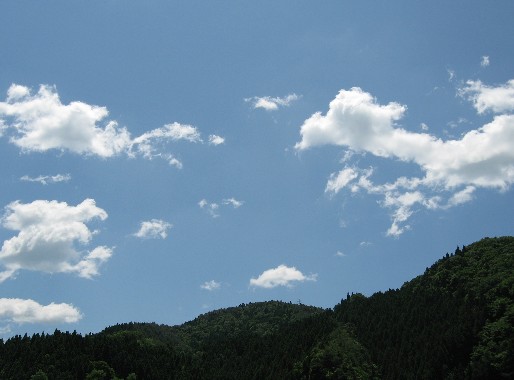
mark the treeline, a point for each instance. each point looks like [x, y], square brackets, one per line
[456, 321]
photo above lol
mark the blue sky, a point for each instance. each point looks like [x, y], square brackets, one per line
[161, 159]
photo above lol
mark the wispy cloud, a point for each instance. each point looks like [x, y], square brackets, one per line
[280, 276]
[485, 61]
[272, 103]
[47, 179]
[211, 208]
[48, 233]
[214, 208]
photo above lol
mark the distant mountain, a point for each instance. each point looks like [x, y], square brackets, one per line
[455, 321]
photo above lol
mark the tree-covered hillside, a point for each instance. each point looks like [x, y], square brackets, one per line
[456, 321]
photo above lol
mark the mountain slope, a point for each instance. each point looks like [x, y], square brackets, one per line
[454, 321]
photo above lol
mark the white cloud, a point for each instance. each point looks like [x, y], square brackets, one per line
[232, 202]
[41, 122]
[216, 140]
[451, 74]
[147, 143]
[211, 208]
[28, 311]
[214, 208]
[340, 254]
[280, 276]
[462, 196]
[210, 285]
[47, 179]
[270, 103]
[339, 181]
[485, 61]
[48, 234]
[483, 157]
[153, 229]
[173, 161]
[424, 127]
[486, 98]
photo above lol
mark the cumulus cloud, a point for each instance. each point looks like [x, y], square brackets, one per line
[28, 311]
[41, 122]
[153, 229]
[210, 285]
[483, 157]
[497, 99]
[49, 232]
[280, 276]
[47, 179]
[270, 103]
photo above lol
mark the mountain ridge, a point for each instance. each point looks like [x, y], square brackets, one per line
[454, 321]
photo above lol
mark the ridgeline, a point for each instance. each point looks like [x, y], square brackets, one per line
[455, 321]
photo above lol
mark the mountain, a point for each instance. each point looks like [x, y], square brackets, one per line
[455, 321]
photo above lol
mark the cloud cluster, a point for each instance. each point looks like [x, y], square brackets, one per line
[47, 179]
[28, 311]
[153, 229]
[213, 208]
[481, 158]
[272, 103]
[48, 234]
[41, 122]
[280, 276]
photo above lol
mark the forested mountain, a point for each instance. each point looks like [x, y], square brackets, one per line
[455, 321]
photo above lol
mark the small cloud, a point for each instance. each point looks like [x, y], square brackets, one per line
[216, 140]
[338, 181]
[280, 276]
[340, 254]
[272, 104]
[211, 208]
[22, 311]
[153, 229]
[210, 285]
[451, 74]
[47, 179]
[232, 201]
[485, 61]
[365, 243]
[423, 127]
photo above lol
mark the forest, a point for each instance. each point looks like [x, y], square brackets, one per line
[454, 321]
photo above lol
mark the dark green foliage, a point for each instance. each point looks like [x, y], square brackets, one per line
[456, 321]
